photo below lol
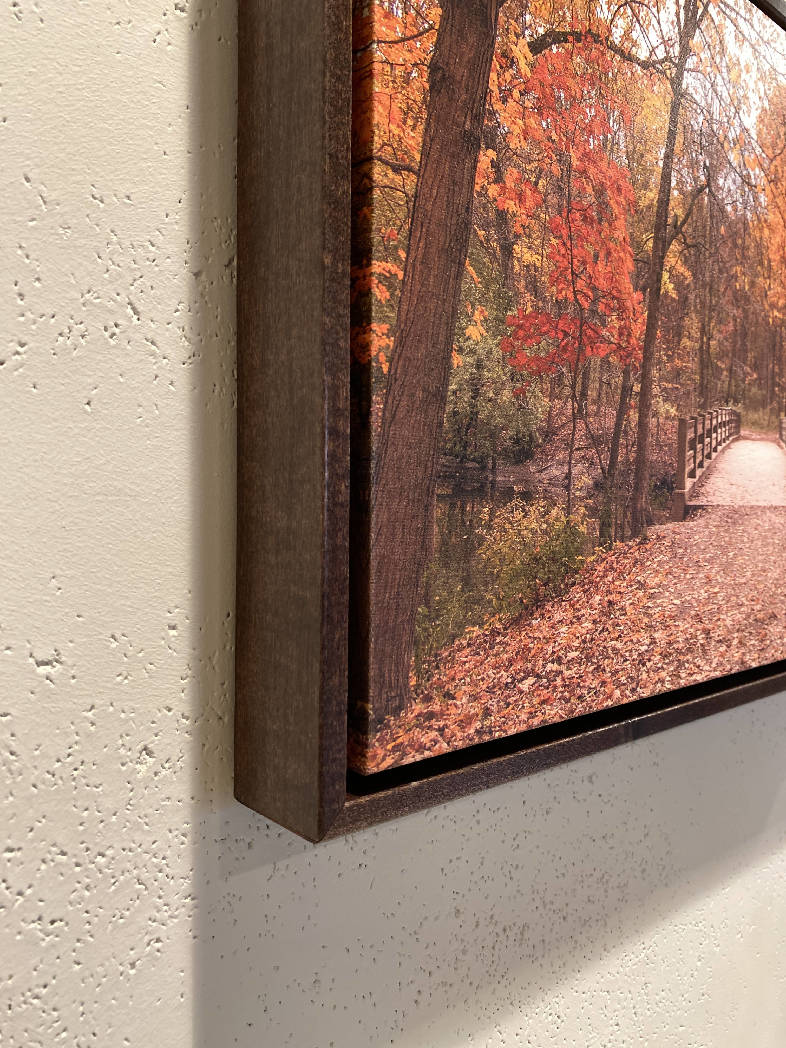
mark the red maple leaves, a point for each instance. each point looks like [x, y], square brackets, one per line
[595, 310]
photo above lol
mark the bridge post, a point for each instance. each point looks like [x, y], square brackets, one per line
[681, 485]
[700, 442]
[694, 469]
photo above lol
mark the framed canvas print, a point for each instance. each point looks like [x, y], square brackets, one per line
[512, 296]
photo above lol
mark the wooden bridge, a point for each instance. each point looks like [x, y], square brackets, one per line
[752, 472]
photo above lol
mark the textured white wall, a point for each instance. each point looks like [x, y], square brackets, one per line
[634, 898]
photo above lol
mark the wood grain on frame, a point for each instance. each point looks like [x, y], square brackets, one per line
[294, 104]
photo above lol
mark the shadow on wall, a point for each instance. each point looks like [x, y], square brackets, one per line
[212, 147]
[441, 927]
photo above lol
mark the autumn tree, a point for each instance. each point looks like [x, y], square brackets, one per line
[406, 454]
[691, 13]
[593, 311]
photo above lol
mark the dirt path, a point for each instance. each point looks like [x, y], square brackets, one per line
[749, 472]
[697, 600]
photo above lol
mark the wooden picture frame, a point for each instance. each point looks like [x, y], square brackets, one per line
[293, 464]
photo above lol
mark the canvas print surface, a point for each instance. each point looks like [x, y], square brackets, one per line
[568, 296]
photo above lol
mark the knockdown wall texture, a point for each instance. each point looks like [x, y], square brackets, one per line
[636, 897]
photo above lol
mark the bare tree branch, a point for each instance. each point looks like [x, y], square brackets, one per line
[556, 37]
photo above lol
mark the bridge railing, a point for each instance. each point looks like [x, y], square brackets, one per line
[699, 439]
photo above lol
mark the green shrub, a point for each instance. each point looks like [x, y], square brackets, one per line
[485, 420]
[530, 552]
[451, 610]
[520, 554]
[760, 418]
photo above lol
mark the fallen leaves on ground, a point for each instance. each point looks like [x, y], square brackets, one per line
[696, 601]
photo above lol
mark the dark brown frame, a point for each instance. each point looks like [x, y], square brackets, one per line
[294, 102]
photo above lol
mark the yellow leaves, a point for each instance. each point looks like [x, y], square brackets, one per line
[367, 278]
[370, 342]
[476, 330]
[472, 273]
[521, 53]
[484, 175]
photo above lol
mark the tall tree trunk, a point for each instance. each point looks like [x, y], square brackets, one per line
[603, 372]
[408, 449]
[505, 240]
[772, 395]
[743, 356]
[734, 343]
[606, 521]
[574, 417]
[552, 399]
[641, 513]
[586, 373]
[706, 392]
[492, 139]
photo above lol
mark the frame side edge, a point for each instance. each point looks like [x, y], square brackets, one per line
[337, 88]
[290, 578]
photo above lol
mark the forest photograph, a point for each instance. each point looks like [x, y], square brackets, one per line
[568, 373]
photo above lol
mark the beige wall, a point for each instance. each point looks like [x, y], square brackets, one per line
[634, 898]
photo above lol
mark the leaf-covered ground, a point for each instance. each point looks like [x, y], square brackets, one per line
[697, 600]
